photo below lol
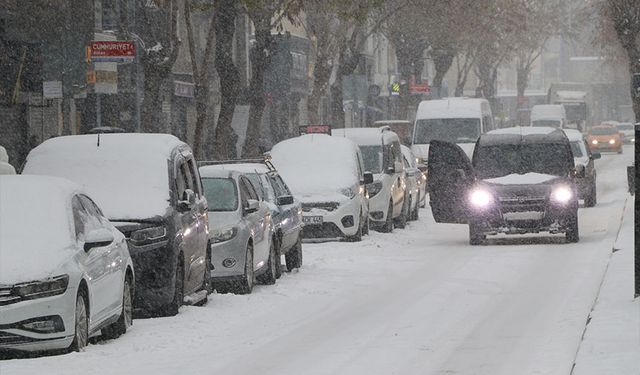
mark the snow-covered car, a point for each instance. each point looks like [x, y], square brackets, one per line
[521, 180]
[382, 156]
[5, 167]
[149, 187]
[67, 281]
[240, 232]
[416, 182]
[582, 155]
[627, 132]
[326, 174]
[286, 211]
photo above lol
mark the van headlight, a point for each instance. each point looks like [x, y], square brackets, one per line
[43, 288]
[480, 198]
[148, 235]
[222, 235]
[350, 192]
[561, 194]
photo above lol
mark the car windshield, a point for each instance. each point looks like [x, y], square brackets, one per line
[546, 123]
[372, 158]
[457, 130]
[604, 130]
[502, 160]
[576, 149]
[221, 194]
[625, 127]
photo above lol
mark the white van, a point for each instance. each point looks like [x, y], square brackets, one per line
[551, 115]
[382, 156]
[456, 120]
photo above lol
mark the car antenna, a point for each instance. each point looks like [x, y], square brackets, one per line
[98, 139]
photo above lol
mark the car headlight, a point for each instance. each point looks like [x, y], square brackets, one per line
[148, 235]
[374, 188]
[44, 288]
[561, 194]
[595, 142]
[612, 141]
[349, 192]
[222, 235]
[480, 198]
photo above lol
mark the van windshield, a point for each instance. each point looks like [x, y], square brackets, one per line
[372, 158]
[547, 123]
[503, 160]
[456, 130]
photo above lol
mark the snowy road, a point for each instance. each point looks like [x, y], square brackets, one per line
[418, 301]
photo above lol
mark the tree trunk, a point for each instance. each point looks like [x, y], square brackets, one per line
[634, 68]
[337, 106]
[259, 62]
[151, 108]
[225, 139]
[442, 60]
[321, 76]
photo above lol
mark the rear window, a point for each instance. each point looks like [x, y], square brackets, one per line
[221, 194]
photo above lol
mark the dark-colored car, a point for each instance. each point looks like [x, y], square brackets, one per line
[519, 181]
[582, 155]
[149, 187]
[286, 212]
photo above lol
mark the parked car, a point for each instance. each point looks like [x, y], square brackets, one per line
[149, 187]
[627, 132]
[582, 155]
[416, 182]
[286, 211]
[65, 273]
[5, 167]
[521, 180]
[240, 232]
[605, 138]
[327, 175]
[382, 156]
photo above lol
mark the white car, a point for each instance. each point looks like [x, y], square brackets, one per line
[65, 271]
[327, 175]
[627, 131]
[416, 182]
[240, 232]
[382, 156]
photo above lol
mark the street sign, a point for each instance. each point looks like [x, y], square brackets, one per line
[52, 89]
[184, 89]
[315, 129]
[419, 88]
[395, 88]
[112, 51]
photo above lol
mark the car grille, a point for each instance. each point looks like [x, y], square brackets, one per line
[327, 206]
[7, 296]
[522, 204]
[324, 230]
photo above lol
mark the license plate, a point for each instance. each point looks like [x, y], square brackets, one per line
[312, 219]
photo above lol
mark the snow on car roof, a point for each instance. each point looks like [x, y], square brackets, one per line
[126, 174]
[240, 167]
[524, 130]
[367, 136]
[450, 108]
[214, 171]
[46, 212]
[573, 135]
[317, 163]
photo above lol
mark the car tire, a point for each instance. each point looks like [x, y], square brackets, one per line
[269, 277]
[278, 246]
[81, 333]
[620, 150]
[125, 320]
[572, 233]
[401, 221]
[387, 227]
[293, 257]
[365, 227]
[476, 237]
[171, 309]
[358, 236]
[244, 286]
[591, 199]
[206, 281]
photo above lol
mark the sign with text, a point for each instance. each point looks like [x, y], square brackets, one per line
[52, 89]
[112, 51]
[315, 129]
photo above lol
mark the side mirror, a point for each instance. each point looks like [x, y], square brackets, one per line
[97, 238]
[188, 200]
[422, 167]
[367, 178]
[595, 155]
[580, 171]
[285, 200]
[252, 206]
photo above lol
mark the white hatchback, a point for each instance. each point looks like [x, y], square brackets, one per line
[65, 271]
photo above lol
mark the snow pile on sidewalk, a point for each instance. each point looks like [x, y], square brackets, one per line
[611, 343]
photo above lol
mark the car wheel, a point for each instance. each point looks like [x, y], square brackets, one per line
[293, 257]
[476, 237]
[81, 335]
[358, 236]
[401, 221]
[591, 200]
[387, 227]
[245, 286]
[178, 294]
[620, 150]
[416, 213]
[269, 277]
[572, 234]
[365, 227]
[125, 320]
[278, 263]
[206, 281]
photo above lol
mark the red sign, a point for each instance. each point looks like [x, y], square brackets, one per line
[419, 88]
[112, 50]
[315, 129]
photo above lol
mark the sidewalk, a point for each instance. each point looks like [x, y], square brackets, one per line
[611, 343]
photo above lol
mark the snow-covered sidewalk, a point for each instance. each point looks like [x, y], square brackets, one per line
[611, 343]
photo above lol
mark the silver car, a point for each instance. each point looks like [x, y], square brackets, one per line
[417, 181]
[65, 271]
[240, 232]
